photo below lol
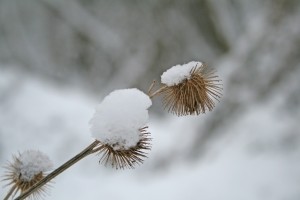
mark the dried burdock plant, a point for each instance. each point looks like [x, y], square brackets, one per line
[119, 125]
[122, 158]
[27, 169]
[190, 89]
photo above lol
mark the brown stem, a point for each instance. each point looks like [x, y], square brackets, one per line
[157, 91]
[151, 87]
[12, 189]
[87, 151]
[97, 149]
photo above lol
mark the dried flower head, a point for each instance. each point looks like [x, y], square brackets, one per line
[121, 158]
[25, 170]
[118, 125]
[190, 89]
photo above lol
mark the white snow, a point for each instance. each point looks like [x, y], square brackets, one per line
[119, 117]
[178, 73]
[31, 163]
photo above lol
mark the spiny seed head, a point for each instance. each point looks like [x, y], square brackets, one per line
[193, 94]
[25, 170]
[121, 158]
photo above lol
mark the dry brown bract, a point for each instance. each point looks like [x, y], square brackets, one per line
[126, 158]
[18, 184]
[194, 95]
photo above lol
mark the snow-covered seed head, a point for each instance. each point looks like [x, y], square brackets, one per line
[25, 170]
[119, 125]
[126, 158]
[190, 89]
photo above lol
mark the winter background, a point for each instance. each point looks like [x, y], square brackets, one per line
[59, 58]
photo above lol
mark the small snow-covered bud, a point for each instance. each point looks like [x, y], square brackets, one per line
[28, 168]
[190, 88]
[119, 124]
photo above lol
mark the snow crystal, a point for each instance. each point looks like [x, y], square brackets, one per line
[119, 117]
[178, 73]
[31, 163]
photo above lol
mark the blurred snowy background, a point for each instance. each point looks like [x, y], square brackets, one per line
[59, 58]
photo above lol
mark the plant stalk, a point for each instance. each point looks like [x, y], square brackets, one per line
[12, 189]
[157, 92]
[87, 151]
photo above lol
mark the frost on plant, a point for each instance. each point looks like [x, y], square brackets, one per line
[26, 169]
[119, 124]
